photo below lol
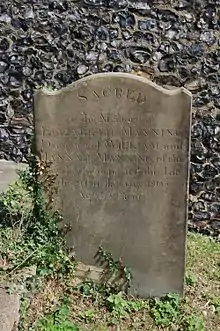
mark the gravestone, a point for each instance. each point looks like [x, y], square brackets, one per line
[8, 173]
[120, 147]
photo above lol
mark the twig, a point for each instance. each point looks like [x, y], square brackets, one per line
[25, 260]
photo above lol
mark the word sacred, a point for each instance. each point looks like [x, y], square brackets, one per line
[117, 92]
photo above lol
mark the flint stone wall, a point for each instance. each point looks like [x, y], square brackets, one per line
[176, 43]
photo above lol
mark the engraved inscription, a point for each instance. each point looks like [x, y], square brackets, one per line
[148, 152]
[117, 92]
[124, 131]
[114, 148]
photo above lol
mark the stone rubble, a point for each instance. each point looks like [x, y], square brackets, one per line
[9, 310]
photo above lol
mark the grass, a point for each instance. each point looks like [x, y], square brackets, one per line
[54, 299]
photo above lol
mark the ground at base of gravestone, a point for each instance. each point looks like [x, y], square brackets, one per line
[54, 299]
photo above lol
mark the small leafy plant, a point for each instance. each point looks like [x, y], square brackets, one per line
[215, 303]
[192, 323]
[88, 315]
[120, 306]
[191, 279]
[58, 321]
[165, 311]
[115, 269]
[117, 305]
[92, 290]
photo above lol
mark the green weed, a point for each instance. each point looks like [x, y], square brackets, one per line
[165, 311]
[192, 323]
[117, 305]
[92, 290]
[58, 321]
[116, 269]
[120, 306]
[88, 315]
[190, 279]
[214, 301]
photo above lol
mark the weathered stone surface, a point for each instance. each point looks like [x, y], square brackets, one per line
[120, 146]
[8, 173]
[9, 311]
